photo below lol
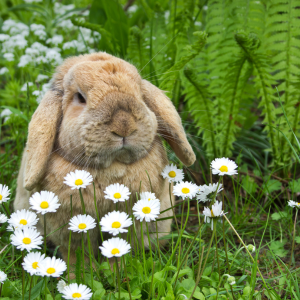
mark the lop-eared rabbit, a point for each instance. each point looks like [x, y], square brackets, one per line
[100, 116]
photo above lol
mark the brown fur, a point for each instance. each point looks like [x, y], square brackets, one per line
[114, 136]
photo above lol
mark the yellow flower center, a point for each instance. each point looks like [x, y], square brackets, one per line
[117, 195]
[50, 270]
[212, 213]
[78, 182]
[149, 199]
[35, 265]
[185, 190]
[76, 295]
[44, 204]
[82, 226]
[224, 169]
[116, 224]
[146, 210]
[115, 251]
[23, 222]
[0, 197]
[26, 241]
[172, 174]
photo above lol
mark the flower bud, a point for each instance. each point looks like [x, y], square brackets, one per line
[231, 280]
[251, 248]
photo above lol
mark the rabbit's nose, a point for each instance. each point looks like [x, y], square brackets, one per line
[123, 124]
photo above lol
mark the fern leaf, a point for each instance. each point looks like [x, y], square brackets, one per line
[201, 108]
[193, 50]
[249, 44]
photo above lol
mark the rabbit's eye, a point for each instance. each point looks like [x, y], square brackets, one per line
[80, 98]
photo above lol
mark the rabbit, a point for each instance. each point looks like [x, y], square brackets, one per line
[100, 116]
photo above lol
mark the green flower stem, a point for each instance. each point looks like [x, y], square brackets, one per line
[45, 235]
[173, 209]
[158, 248]
[118, 275]
[199, 277]
[91, 264]
[45, 287]
[52, 288]
[237, 252]
[143, 248]
[1, 290]
[294, 232]
[200, 263]
[216, 240]
[23, 278]
[249, 255]
[83, 266]
[30, 286]
[69, 246]
[82, 202]
[152, 277]
[127, 281]
[150, 248]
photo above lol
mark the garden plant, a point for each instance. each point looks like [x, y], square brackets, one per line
[231, 69]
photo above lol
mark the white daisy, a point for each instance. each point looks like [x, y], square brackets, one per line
[207, 192]
[115, 222]
[32, 262]
[117, 192]
[172, 173]
[200, 188]
[223, 166]
[78, 179]
[44, 202]
[78, 292]
[147, 196]
[53, 267]
[82, 223]
[4, 193]
[114, 247]
[148, 210]
[61, 286]
[185, 189]
[3, 276]
[27, 238]
[3, 218]
[23, 218]
[214, 212]
[293, 204]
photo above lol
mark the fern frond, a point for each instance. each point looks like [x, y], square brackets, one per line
[201, 108]
[249, 44]
[192, 51]
[234, 83]
[283, 25]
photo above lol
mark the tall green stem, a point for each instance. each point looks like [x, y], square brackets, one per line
[83, 266]
[69, 246]
[173, 209]
[118, 275]
[150, 248]
[23, 278]
[30, 286]
[82, 201]
[91, 265]
[249, 255]
[143, 248]
[199, 277]
[45, 234]
[127, 279]
[293, 245]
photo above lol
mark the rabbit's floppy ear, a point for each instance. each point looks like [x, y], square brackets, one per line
[169, 122]
[41, 135]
